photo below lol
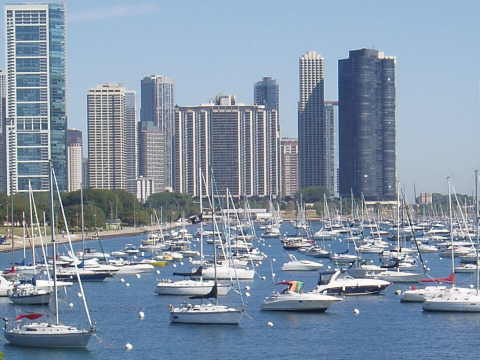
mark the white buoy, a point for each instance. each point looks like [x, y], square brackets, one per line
[174, 265]
[181, 263]
[471, 286]
[273, 275]
[138, 276]
[128, 346]
[356, 311]
[263, 278]
[79, 295]
[71, 305]
[122, 280]
[247, 294]
[329, 267]
[127, 284]
[269, 324]
[247, 287]
[274, 260]
[141, 315]
[398, 292]
[158, 272]
[269, 245]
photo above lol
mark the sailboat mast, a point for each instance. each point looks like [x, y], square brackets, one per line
[83, 221]
[476, 228]
[451, 223]
[52, 231]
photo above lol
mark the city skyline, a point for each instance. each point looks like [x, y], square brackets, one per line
[424, 127]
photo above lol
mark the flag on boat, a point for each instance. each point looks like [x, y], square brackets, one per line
[294, 286]
[195, 219]
[31, 316]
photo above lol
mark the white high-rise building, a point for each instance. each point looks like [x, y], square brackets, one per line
[289, 160]
[107, 137]
[313, 151]
[75, 149]
[236, 145]
[131, 144]
[36, 114]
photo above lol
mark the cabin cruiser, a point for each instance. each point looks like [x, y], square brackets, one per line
[341, 283]
[294, 299]
[300, 265]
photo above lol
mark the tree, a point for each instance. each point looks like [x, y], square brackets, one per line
[173, 205]
[313, 194]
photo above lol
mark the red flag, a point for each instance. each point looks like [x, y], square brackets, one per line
[32, 316]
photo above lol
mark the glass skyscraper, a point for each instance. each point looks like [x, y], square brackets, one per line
[366, 95]
[36, 117]
[265, 92]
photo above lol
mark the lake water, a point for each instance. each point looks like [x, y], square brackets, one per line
[384, 328]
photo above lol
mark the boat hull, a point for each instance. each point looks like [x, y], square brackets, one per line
[447, 306]
[75, 340]
[297, 305]
[36, 299]
[190, 290]
[204, 318]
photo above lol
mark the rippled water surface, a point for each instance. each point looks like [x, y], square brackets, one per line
[384, 328]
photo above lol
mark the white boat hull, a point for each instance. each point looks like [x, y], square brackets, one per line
[451, 306]
[227, 317]
[190, 290]
[35, 299]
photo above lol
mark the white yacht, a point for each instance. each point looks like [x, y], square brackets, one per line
[27, 293]
[342, 284]
[453, 299]
[293, 299]
[399, 276]
[300, 265]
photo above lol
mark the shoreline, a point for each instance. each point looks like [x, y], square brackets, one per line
[76, 237]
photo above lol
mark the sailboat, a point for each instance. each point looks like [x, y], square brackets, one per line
[207, 313]
[50, 334]
[457, 299]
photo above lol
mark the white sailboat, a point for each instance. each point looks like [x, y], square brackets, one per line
[51, 334]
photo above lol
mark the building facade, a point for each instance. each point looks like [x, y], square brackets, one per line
[266, 92]
[236, 145]
[331, 128]
[131, 142]
[158, 106]
[153, 155]
[36, 116]
[289, 161]
[312, 131]
[3, 124]
[366, 90]
[75, 158]
[107, 141]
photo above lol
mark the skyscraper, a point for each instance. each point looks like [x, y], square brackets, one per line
[312, 133]
[265, 92]
[158, 106]
[289, 161]
[237, 144]
[107, 158]
[3, 140]
[131, 142]
[36, 118]
[366, 89]
[153, 155]
[75, 158]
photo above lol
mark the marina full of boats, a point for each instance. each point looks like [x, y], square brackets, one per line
[230, 269]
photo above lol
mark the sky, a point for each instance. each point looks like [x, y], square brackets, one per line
[210, 47]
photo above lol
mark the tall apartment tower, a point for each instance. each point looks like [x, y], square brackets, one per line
[75, 158]
[107, 137]
[289, 161]
[36, 117]
[366, 94]
[3, 124]
[158, 107]
[331, 126]
[237, 145]
[265, 92]
[131, 142]
[312, 132]
[153, 155]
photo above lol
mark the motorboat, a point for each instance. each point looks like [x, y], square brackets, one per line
[294, 299]
[341, 283]
[343, 258]
[27, 293]
[399, 276]
[300, 265]
[414, 294]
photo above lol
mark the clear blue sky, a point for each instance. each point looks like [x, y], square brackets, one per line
[225, 46]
